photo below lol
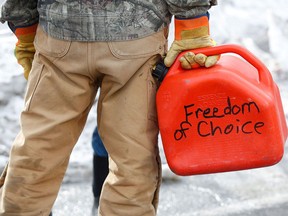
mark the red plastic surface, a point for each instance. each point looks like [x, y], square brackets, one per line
[225, 118]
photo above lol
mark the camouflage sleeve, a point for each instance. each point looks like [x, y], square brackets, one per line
[19, 12]
[189, 8]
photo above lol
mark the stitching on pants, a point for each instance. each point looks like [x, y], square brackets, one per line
[3, 175]
[35, 87]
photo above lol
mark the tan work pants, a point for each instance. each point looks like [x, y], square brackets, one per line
[61, 89]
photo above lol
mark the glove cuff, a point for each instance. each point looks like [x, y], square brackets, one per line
[192, 28]
[24, 34]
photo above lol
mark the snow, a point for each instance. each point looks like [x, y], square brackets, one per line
[260, 26]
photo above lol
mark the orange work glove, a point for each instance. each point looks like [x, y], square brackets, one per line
[24, 50]
[191, 34]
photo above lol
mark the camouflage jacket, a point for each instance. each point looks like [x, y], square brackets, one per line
[100, 20]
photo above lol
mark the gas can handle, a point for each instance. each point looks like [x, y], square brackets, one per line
[264, 74]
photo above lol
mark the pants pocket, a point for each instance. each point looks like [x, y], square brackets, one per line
[140, 48]
[50, 46]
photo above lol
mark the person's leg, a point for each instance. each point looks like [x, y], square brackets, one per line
[97, 144]
[128, 128]
[59, 96]
[100, 165]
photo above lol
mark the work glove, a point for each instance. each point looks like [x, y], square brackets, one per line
[191, 34]
[24, 50]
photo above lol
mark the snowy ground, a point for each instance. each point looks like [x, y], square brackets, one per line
[261, 26]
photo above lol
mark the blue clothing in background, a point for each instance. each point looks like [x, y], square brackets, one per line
[97, 145]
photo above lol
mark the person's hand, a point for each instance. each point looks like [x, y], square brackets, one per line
[24, 50]
[191, 34]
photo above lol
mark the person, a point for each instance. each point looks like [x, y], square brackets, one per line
[100, 165]
[80, 46]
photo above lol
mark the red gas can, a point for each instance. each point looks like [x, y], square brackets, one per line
[225, 118]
